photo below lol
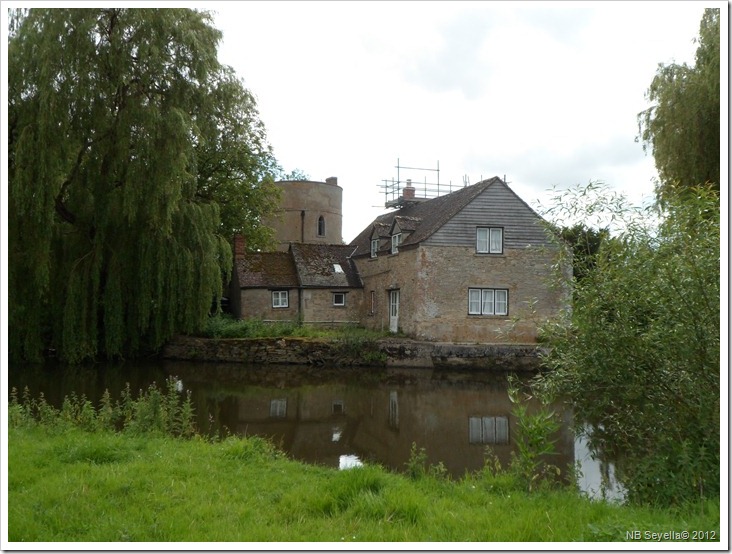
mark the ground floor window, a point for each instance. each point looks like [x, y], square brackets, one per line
[339, 298]
[278, 407]
[280, 299]
[488, 430]
[487, 301]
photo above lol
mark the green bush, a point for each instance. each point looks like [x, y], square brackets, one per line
[638, 357]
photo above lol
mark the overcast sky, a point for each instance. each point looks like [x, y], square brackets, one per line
[544, 93]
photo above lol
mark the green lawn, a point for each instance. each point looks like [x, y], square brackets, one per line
[66, 484]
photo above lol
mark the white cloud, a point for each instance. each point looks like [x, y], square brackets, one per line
[546, 93]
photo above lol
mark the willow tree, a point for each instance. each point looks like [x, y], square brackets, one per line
[638, 357]
[682, 126]
[133, 156]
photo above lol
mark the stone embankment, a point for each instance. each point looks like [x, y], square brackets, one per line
[389, 352]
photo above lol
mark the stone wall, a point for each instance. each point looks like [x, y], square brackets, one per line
[318, 308]
[301, 205]
[434, 281]
[390, 352]
[257, 304]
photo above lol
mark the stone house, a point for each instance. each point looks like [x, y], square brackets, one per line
[309, 283]
[470, 266]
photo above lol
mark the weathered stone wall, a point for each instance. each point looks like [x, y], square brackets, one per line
[268, 351]
[318, 306]
[434, 282]
[389, 352]
[448, 272]
[316, 199]
[257, 304]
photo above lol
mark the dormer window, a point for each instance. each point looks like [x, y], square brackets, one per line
[337, 268]
[374, 247]
[396, 240]
[489, 240]
[321, 226]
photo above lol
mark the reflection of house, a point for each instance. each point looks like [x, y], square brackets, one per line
[319, 421]
[470, 266]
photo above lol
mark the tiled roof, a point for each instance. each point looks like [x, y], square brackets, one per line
[315, 265]
[266, 269]
[422, 218]
[304, 265]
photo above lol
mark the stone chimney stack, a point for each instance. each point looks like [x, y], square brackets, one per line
[408, 191]
[332, 181]
[240, 246]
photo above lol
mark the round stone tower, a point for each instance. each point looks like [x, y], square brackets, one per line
[311, 212]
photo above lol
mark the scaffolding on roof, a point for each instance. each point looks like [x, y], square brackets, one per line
[393, 189]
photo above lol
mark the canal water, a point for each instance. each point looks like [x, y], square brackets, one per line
[334, 416]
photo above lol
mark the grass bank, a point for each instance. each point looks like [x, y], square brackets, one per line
[79, 485]
[136, 470]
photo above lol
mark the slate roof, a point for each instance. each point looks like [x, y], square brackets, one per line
[315, 265]
[422, 218]
[304, 265]
[266, 270]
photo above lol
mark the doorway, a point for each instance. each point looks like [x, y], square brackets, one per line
[394, 311]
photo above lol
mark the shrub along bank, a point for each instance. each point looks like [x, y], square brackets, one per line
[134, 470]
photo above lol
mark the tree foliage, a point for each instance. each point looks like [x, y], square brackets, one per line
[639, 356]
[585, 243]
[133, 157]
[295, 175]
[682, 127]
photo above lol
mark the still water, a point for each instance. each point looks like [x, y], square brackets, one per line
[331, 416]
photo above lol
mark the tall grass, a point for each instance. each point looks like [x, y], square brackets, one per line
[154, 411]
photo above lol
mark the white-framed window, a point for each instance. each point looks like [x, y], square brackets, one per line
[339, 298]
[488, 301]
[278, 407]
[393, 409]
[489, 240]
[321, 226]
[396, 240]
[488, 430]
[280, 299]
[374, 247]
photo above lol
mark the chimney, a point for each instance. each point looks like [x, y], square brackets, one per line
[408, 191]
[240, 246]
[332, 181]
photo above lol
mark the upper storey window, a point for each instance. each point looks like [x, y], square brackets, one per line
[396, 240]
[489, 240]
[321, 226]
[374, 247]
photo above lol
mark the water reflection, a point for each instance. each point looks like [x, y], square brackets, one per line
[596, 477]
[347, 461]
[336, 417]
